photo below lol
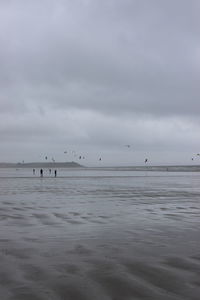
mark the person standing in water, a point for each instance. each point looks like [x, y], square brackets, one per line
[33, 171]
[41, 172]
[55, 173]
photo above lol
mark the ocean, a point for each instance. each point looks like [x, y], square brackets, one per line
[99, 234]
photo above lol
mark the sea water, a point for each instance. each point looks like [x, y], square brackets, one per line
[99, 233]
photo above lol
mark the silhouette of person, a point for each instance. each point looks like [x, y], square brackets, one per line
[55, 173]
[33, 171]
[41, 172]
[49, 171]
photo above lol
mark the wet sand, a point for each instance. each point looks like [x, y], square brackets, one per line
[100, 237]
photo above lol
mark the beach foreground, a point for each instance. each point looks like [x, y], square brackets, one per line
[99, 235]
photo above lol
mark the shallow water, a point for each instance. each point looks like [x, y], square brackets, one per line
[99, 234]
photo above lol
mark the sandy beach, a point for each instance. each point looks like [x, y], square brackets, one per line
[109, 235]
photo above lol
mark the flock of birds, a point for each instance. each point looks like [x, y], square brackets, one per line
[76, 155]
[73, 152]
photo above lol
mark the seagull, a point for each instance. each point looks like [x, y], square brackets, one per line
[146, 160]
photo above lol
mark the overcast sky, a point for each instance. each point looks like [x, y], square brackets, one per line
[95, 75]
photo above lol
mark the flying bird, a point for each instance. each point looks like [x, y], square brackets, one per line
[128, 146]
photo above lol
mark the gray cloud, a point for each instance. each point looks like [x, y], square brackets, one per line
[99, 74]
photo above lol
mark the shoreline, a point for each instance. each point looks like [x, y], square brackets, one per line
[41, 165]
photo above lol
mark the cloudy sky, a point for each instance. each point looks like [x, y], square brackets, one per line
[95, 75]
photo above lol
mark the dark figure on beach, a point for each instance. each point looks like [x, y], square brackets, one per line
[49, 171]
[55, 173]
[41, 172]
[33, 171]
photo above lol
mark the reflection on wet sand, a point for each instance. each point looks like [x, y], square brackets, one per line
[79, 238]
